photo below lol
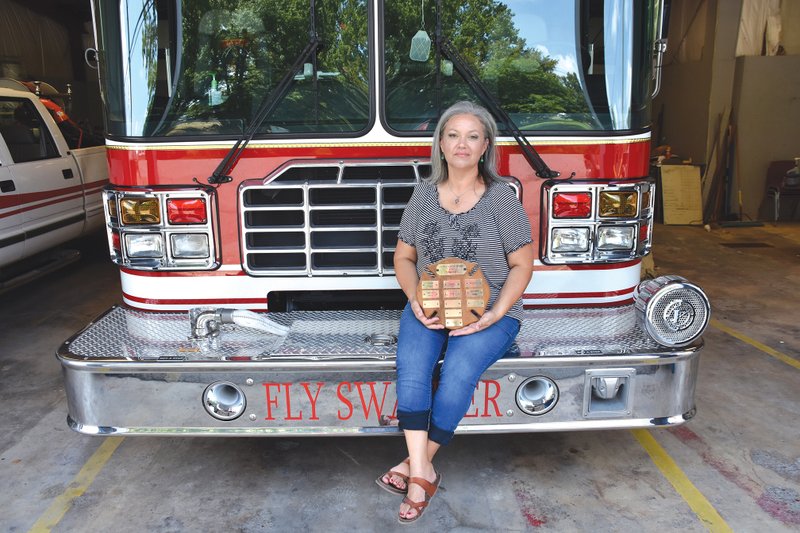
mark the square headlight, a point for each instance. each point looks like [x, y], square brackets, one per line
[615, 237]
[144, 245]
[189, 245]
[570, 240]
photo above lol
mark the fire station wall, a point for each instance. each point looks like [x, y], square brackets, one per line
[33, 46]
[705, 83]
[38, 47]
[767, 111]
[683, 103]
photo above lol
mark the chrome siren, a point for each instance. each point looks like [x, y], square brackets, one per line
[673, 311]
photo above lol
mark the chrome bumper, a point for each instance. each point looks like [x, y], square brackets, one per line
[134, 372]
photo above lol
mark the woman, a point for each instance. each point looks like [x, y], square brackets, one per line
[463, 210]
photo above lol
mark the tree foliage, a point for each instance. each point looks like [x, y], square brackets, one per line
[521, 78]
[242, 49]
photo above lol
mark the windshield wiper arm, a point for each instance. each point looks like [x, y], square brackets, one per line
[533, 157]
[222, 173]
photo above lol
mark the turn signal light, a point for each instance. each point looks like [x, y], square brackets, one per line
[618, 204]
[186, 211]
[140, 211]
[572, 205]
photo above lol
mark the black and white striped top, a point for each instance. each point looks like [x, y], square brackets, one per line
[495, 227]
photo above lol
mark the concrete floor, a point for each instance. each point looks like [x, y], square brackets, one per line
[740, 455]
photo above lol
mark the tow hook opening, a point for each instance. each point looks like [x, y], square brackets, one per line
[608, 392]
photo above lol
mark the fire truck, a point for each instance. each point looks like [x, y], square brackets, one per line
[260, 157]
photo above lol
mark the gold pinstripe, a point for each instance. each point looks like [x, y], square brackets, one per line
[364, 145]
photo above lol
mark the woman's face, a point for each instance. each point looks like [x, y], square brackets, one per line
[463, 141]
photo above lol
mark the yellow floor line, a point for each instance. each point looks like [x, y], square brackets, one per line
[697, 502]
[79, 484]
[754, 343]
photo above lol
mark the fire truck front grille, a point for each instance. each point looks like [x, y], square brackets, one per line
[324, 219]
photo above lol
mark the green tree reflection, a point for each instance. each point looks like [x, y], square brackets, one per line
[523, 79]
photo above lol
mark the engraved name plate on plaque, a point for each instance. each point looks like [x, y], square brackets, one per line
[454, 290]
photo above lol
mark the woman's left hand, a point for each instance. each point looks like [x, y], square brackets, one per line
[488, 318]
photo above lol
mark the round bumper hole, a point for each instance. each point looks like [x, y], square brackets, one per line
[537, 395]
[224, 401]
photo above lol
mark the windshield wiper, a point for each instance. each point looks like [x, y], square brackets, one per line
[222, 173]
[461, 66]
[530, 153]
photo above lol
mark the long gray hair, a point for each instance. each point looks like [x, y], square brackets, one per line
[487, 169]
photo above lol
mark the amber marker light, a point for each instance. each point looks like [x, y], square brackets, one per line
[572, 205]
[618, 203]
[645, 199]
[186, 211]
[112, 207]
[140, 211]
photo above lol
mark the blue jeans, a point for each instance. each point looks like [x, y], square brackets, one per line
[465, 359]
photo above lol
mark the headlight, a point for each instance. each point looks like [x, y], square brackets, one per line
[144, 245]
[140, 210]
[162, 229]
[189, 245]
[570, 239]
[615, 237]
[618, 203]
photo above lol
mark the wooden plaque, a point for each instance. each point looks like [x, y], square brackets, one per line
[454, 290]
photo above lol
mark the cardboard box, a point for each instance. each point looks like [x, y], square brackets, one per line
[681, 193]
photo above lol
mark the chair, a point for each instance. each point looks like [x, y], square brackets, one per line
[779, 186]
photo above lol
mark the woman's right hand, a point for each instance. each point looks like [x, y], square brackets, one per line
[430, 323]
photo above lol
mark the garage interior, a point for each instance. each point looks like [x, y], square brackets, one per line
[726, 153]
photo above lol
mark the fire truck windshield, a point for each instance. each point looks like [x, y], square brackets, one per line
[203, 67]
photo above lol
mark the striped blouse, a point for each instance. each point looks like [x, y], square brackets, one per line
[496, 226]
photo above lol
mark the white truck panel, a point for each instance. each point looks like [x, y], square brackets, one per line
[49, 194]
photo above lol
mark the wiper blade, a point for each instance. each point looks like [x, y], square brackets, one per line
[530, 153]
[222, 173]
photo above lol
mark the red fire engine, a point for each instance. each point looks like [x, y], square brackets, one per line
[261, 155]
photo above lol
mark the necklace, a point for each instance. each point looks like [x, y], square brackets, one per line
[457, 198]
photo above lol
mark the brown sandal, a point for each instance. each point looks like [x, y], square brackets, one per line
[430, 490]
[391, 487]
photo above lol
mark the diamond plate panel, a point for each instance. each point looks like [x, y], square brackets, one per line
[130, 335]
